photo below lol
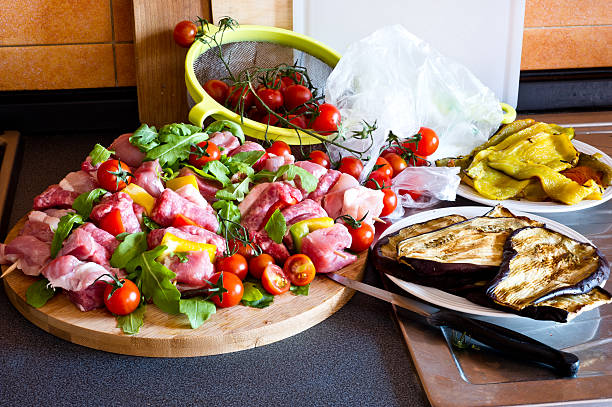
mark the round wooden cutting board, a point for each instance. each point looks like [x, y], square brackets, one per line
[165, 335]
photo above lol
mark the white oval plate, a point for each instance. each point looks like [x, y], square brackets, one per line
[544, 207]
[454, 302]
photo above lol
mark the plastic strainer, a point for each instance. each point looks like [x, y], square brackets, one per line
[253, 46]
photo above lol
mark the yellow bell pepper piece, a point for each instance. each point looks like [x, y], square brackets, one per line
[300, 229]
[140, 196]
[177, 244]
[179, 182]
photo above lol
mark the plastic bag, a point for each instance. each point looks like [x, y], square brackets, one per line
[400, 81]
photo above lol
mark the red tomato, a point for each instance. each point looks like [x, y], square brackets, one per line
[217, 90]
[261, 162]
[239, 95]
[184, 33]
[279, 148]
[273, 98]
[351, 165]
[416, 161]
[203, 153]
[327, 120]
[182, 220]
[309, 109]
[114, 175]
[296, 95]
[389, 202]
[386, 167]
[234, 288]
[254, 114]
[320, 157]
[269, 119]
[274, 280]
[236, 246]
[297, 120]
[396, 161]
[236, 263]
[428, 143]
[413, 194]
[258, 264]
[378, 180]
[362, 237]
[278, 84]
[112, 223]
[299, 269]
[124, 299]
[292, 78]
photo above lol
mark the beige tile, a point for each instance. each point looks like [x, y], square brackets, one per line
[547, 13]
[126, 64]
[559, 48]
[123, 20]
[57, 67]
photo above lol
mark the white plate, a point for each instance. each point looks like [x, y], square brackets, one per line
[450, 301]
[545, 207]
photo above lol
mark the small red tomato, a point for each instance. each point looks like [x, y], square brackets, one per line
[235, 263]
[413, 194]
[396, 161]
[378, 180]
[389, 202]
[319, 157]
[184, 33]
[279, 148]
[258, 264]
[217, 90]
[362, 237]
[297, 120]
[273, 98]
[327, 120]
[274, 280]
[276, 84]
[112, 223]
[292, 78]
[296, 95]
[203, 153]
[351, 165]
[236, 246]
[269, 119]
[124, 299]
[234, 288]
[240, 97]
[299, 269]
[386, 167]
[416, 161]
[428, 143]
[114, 175]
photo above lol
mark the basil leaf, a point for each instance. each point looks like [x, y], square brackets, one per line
[39, 292]
[197, 310]
[234, 128]
[99, 154]
[133, 245]
[276, 227]
[145, 138]
[265, 300]
[150, 223]
[84, 203]
[235, 192]
[227, 210]
[251, 293]
[64, 227]
[247, 157]
[175, 148]
[130, 324]
[300, 290]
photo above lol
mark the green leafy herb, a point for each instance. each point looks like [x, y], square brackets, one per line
[85, 202]
[251, 293]
[133, 245]
[99, 154]
[121, 236]
[197, 310]
[234, 128]
[290, 171]
[145, 138]
[276, 227]
[131, 323]
[182, 256]
[150, 223]
[218, 170]
[300, 290]
[39, 293]
[228, 211]
[175, 146]
[235, 192]
[64, 227]
[265, 300]
[246, 157]
[169, 131]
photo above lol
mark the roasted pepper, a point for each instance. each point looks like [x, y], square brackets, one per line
[140, 196]
[179, 182]
[302, 228]
[177, 244]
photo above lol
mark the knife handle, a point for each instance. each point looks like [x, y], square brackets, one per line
[508, 341]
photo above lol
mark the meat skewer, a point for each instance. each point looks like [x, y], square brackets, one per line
[9, 270]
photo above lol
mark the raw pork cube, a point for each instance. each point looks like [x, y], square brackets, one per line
[225, 140]
[31, 253]
[322, 244]
[124, 203]
[169, 204]
[148, 176]
[126, 152]
[194, 272]
[55, 197]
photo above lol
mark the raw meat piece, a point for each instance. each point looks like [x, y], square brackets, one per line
[148, 176]
[357, 202]
[79, 182]
[138, 211]
[315, 169]
[326, 182]
[71, 274]
[169, 204]
[191, 233]
[90, 298]
[207, 188]
[275, 191]
[89, 168]
[225, 141]
[57, 213]
[90, 243]
[276, 250]
[252, 197]
[190, 193]
[126, 152]
[124, 203]
[32, 254]
[307, 207]
[195, 271]
[274, 162]
[321, 244]
[250, 146]
[55, 197]
[42, 225]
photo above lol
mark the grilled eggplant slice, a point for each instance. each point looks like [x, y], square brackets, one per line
[540, 264]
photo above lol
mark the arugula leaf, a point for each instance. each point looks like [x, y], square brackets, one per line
[218, 170]
[133, 245]
[175, 148]
[300, 290]
[99, 154]
[64, 227]
[169, 131]
[226, 210]
[290, 171]
[276, 227]
[246, 157]
[234, 128]
[235, 191]
[84, 203]
[39, 292]
[251, 293]
[197, 310]
[150, 223]
[145, 138]
[130, 324]
[265, 300]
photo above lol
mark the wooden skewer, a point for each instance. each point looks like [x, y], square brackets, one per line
[10, 269]
[379, 220]
[343, 255]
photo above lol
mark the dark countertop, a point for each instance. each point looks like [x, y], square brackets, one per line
[355, 357]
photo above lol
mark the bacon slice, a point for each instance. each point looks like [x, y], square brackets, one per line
[72, 274]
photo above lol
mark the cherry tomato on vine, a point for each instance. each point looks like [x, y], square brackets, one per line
[274, 280]
[386, 167]
[416, 161]
[378, 180]
[236, 246]
[236, 264]
[413, 194]
[114, 175]
[389, 202]
[121, 297]
[269, 119]
[234, 288]
[239, 95]
[362, 237]
[297, 120]
[278, 83]
[299, 269]
[217, 90]
[292, 78]
[319, 157]
[273, 98]
[258, 264]
[328, 118]
[296, 95]
[185, 33]
[351, 165]
[396, 162]
[279, 148]
[428, 143]
[204, 152]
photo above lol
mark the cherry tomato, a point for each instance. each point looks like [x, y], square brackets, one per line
[292, 78]
[112, 223]
[236, 246]
[234, 288]
[239, 95]
[274, 280]
[309, 108]
[269, 119]
[273, 98]
[299, 269]
[217, 90]
[277, 84]
[124, 299]
[203, 153]
[396, 162]
[114, 175]
[351, 165]
[389, 202]
[279, 148]
[362, 237]
[182, 220]
[297, 120]
[320, 157]
[428, 143]
[413, 194]
[258, 264]
[296, 95]
[378, 180]
[236, 263]
[327, 120]
[416, 161]
[386, 167]
[184, 33]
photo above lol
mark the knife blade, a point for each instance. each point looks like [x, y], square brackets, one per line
[502, 339]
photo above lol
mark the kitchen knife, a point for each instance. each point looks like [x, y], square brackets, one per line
[497, 337]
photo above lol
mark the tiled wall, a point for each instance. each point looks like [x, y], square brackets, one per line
[67, 44]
